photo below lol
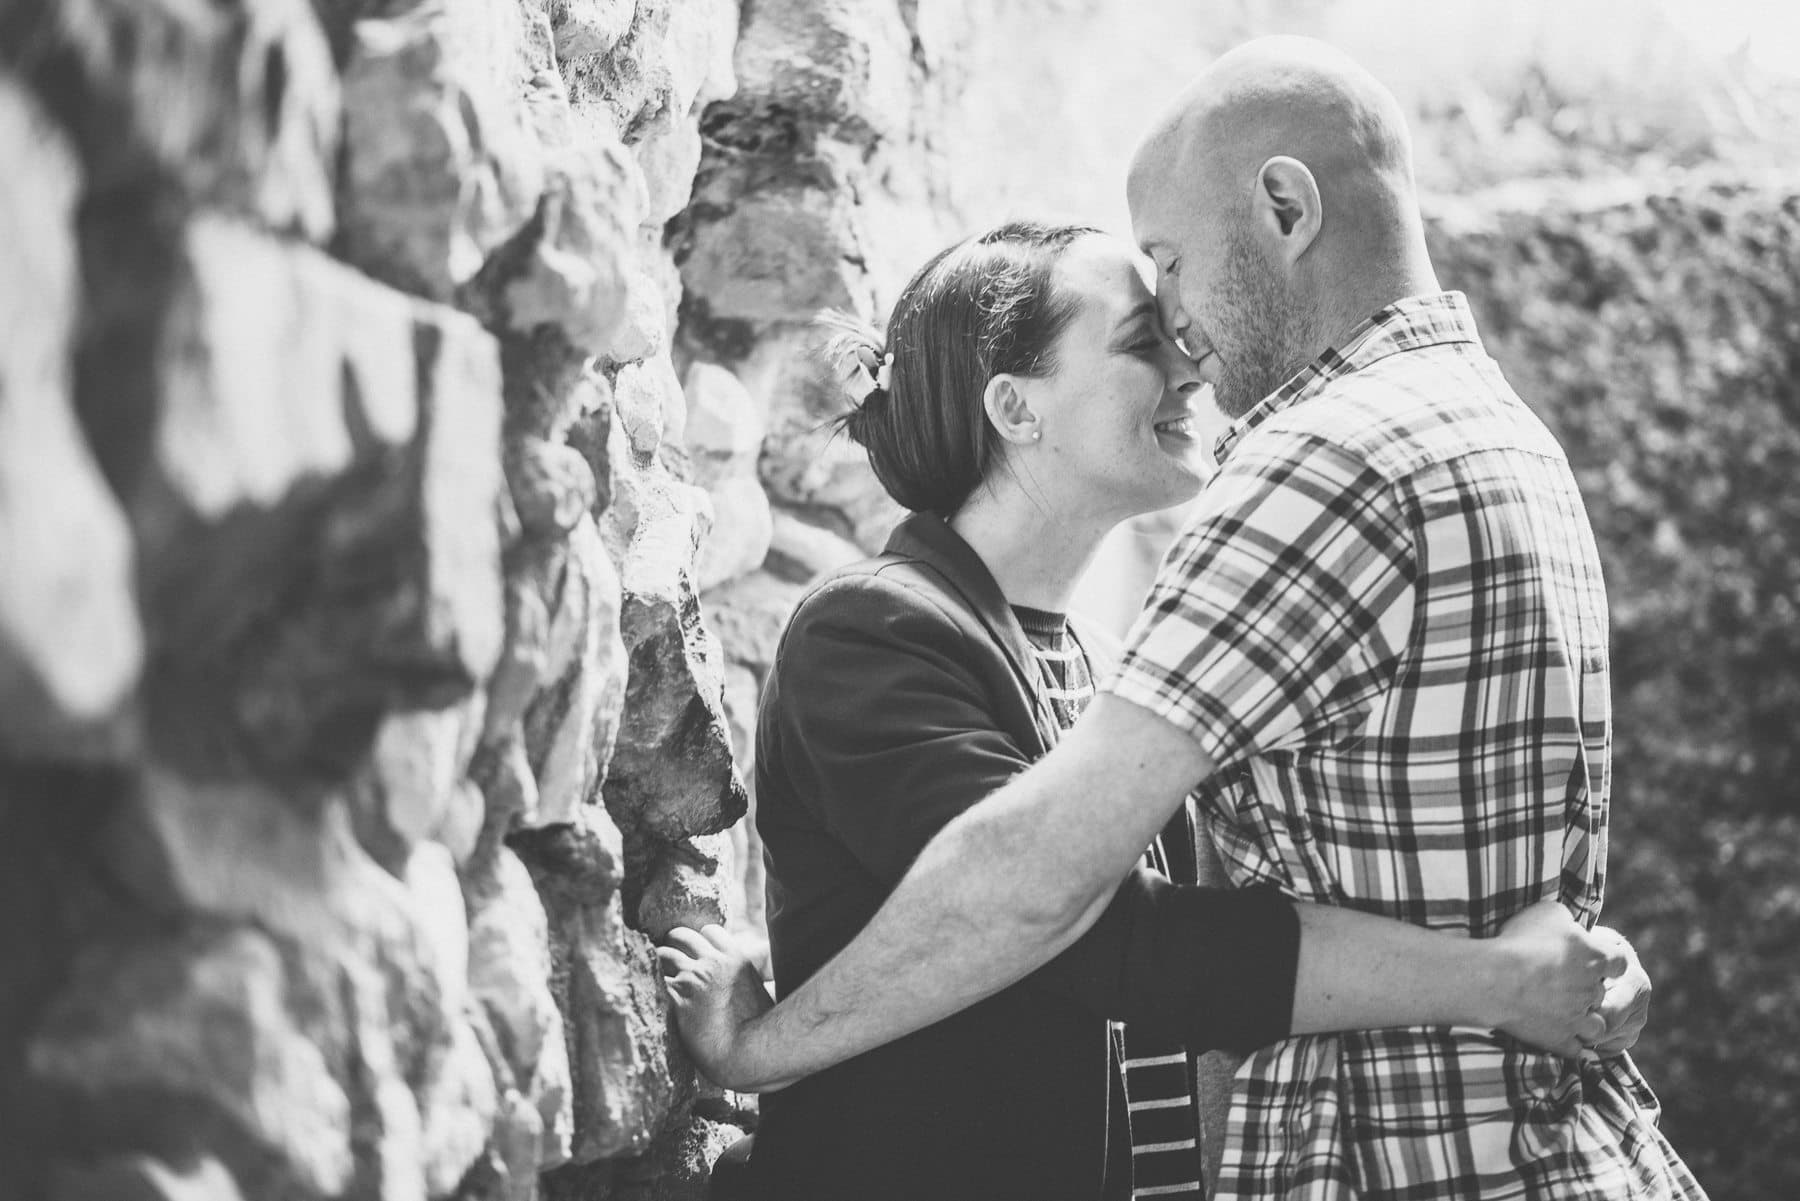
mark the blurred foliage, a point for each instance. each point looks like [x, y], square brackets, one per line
[1661, 338]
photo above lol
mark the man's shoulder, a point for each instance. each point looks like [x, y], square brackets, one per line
[1407, 412]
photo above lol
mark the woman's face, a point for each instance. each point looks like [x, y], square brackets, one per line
[1117, 415]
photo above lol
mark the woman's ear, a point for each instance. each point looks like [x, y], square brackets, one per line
[1009, 409]
[1286, 207]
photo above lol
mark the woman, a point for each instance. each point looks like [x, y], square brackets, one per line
[1026, 400]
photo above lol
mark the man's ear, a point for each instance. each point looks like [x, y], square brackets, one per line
[1286, 208]
[1009, 410]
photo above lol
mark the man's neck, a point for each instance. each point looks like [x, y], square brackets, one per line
[1376, 285]
[1035, 556]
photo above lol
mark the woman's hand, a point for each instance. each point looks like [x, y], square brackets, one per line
[1626, 1008]
[1552, 986]
[717, 992]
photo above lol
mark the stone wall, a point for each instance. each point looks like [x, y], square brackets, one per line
[358, 728]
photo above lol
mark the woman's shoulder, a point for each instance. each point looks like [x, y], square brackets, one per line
[887, 585]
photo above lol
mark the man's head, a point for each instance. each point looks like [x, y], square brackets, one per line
[1277, 200]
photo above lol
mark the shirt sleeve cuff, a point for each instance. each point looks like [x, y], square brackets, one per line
[1239, 951]
[1197, 715]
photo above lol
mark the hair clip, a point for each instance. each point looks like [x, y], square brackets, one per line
[872, 373]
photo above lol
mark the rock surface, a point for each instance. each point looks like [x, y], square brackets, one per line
[335, 416]
[70, 641]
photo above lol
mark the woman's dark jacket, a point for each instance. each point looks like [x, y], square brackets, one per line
[902, 693]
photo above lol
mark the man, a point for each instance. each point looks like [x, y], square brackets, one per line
[1380, 643]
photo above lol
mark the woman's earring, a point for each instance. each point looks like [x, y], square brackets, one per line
[1037, 435]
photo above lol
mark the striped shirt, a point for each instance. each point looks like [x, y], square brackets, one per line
[1160, 1087]
[1385, 623]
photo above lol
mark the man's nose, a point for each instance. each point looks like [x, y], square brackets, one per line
[1168, 308]
[1181, 370]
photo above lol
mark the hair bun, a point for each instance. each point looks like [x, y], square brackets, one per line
[860, 363]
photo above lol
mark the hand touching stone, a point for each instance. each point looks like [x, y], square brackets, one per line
[713, 981]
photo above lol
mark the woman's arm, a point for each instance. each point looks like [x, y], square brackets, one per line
[1538, 980]
[1534, 980]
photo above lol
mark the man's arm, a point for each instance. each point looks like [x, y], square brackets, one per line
[1014, 880]
[998, 892]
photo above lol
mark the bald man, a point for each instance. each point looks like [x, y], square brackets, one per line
[1379, 651]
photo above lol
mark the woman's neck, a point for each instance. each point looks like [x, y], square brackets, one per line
[1036, 558]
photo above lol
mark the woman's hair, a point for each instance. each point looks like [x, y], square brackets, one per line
[981, 308]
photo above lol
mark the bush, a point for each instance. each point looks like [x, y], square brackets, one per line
[1660, 336]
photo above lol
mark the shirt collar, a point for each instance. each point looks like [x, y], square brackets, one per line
[1411, 323]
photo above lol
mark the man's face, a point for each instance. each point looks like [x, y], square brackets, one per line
[1215, 289]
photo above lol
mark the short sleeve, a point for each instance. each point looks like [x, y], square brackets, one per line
[1287, 590]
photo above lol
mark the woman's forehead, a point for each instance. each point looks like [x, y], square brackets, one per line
[1108, 274]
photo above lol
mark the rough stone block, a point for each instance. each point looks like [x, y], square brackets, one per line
[578, 863]
[457, 1105]
[317, 515]
[441, 162]
[502, 772]
[155, 1036]
[749, 615]
[680, 1167]
[647, 397]
[509, 974]
[668, 152]
[624, 1090]
[842, 65]
[237, 850]
[509, 963]
[378, 965]
[725, 425]
[236, 106]
[800, 551]
[552, 485]
[689, 883]
[572, 268]
[585, 28]
[141, 1178]
[741, 532]
[406, 790]
[702, 39]
[571, 723]
[533, 580]
[70, 643]
[672, 772]
[779, 255]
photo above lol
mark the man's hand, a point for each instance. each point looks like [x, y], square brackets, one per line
[1626, 1008]
[1555, 982]
[717, 992]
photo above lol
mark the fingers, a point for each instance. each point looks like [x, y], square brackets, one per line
[715, 934]
[672, 961]
[1615, 962]
[690, 941]
[1590, 1028]
[1616, 1046]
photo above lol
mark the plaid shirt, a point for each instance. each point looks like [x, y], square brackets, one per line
[1385, 623]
